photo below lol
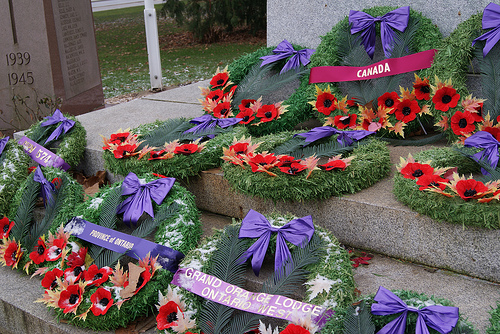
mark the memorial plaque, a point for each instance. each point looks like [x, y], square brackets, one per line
[48, 51]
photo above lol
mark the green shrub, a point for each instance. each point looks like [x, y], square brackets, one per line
[206, 19]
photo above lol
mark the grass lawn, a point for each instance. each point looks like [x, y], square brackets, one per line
[121, 45]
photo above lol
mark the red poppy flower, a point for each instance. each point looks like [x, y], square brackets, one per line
[462, 123]
[167, 316]
[390, 100]
[445, 98]
[124, 151]
[326, 103]
[70, 298]
[345, 121]
[101, 301]
[495, 132]
[422, 89]
[351, 103]
[293, 169]
[245, 104]
[160, 155]
[286, 160]
[267, 113]
[186, 149]
[5, 227]
[215, 95]
[12, 254]
[74, 274]
[77, 258]
[49, 281]
[246, 115]
[31, 169]
[470, 189]
[96, 276]
[118, 138]
[143, 279]
[407, 110]
[265, 161]
[38, 254]
[219, 80]
[415, 170]
[239, 148]
[336, 164]
[222, 110]
[55, 250]
[57, 182]
[498, 119]
[294, 329]
[431, 180]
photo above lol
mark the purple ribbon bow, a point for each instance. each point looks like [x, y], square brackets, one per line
[255, 225]
[345, 138]
[3, 142]
[206, 122]
[285, 50]
[491, 19]
[134, 206]
[440, 318]
[485, 140]
[47, 187]
[57, 117]
[365, 23]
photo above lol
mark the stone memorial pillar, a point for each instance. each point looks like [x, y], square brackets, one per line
[48, 50]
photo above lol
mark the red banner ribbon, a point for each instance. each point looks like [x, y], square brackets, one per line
[383, 68]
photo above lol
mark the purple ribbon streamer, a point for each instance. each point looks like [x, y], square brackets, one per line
[440, 318]
[122, 243]
[47, 187]
[65, 126]
[486, 141]
[141, 194]
[365, 23]
[285, 50]
[491, 20]
[3, 142]
[206, 122]
[345, 138]
[41, 155]
[255, 225]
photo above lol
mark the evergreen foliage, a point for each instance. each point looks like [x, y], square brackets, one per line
[206, 18]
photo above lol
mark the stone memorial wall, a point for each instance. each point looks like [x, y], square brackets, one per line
[48, 51]
[304, 21]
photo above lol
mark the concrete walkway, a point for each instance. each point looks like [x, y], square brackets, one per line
[371, 219]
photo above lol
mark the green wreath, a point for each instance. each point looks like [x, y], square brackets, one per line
[441, 208]
[360, 166]
[177, 226]
[26, 231]
[452, 63]
[331, 264]
[14, 170]
[358, 317]
[330, 53]
[70, 146]
[298, 109]
[179, 166]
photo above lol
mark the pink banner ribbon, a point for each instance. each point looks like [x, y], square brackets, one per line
[276, 306]
[41, 155]
[383, 68]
